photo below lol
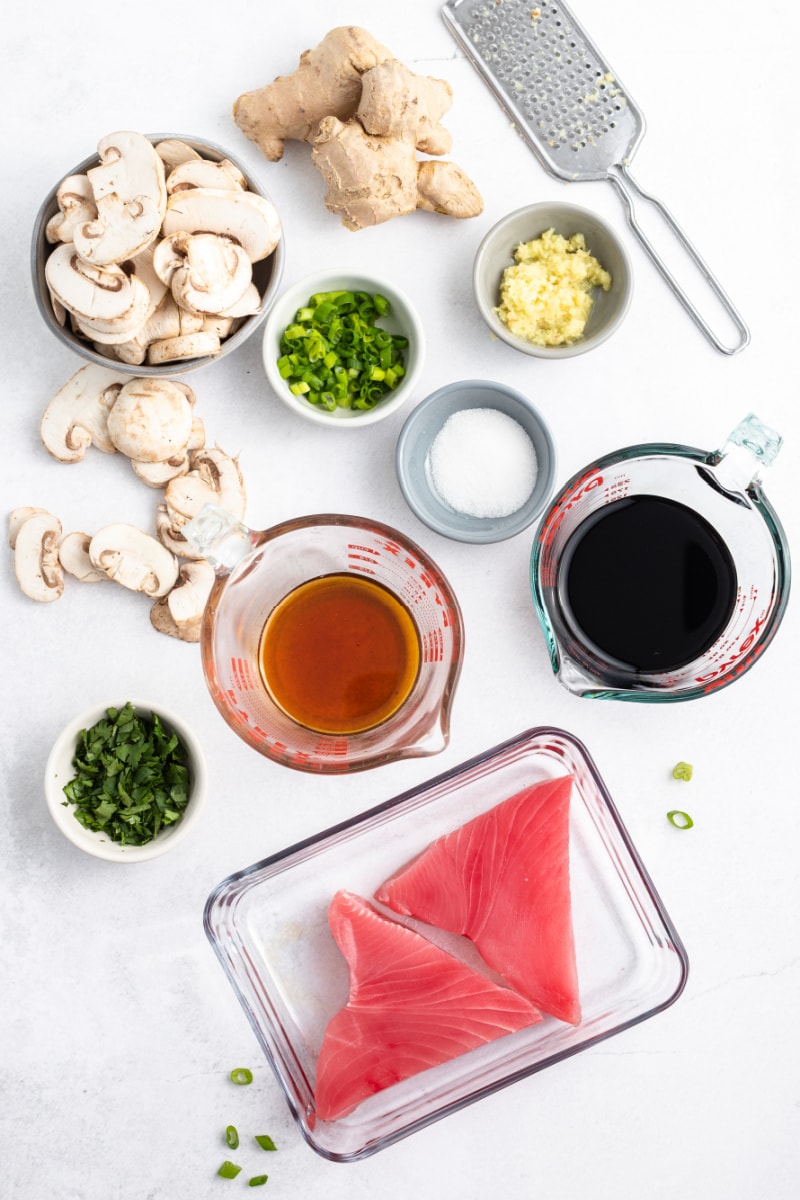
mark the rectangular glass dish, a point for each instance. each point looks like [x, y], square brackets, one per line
[268, 925]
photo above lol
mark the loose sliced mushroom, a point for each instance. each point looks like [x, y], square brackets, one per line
[215, 478]
[151, 420]
[17, 518]
[134, 559]
[73, 554]
[203, 172]
[159, 474]
[247, 218]
[36, 564]
[130, 192]
[77, 416]
[180, 613]
[103, 298]
[76, 206]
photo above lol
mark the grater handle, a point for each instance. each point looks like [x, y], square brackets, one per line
[625, 184]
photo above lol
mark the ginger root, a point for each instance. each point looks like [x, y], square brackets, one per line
[366, 116]
[326, 83]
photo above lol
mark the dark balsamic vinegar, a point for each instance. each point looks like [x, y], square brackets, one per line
[648, 582]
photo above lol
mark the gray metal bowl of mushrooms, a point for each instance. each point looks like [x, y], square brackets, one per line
[158, 254]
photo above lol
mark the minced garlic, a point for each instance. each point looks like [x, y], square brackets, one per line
[546, 297]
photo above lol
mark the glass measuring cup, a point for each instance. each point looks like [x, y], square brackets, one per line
[719, 491]
[256, 570]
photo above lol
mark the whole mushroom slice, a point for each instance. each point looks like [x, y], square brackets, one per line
[174, 151]
[73, 554]
[203, 172]
[151, 420]
[180, 613]
[245, 217]
[76, 205]
[134, 559]
[248, 304]
[101, 296]
[36, 563]
[203, 344]
[130, 192]
[215, 274]
[77, 416]
[17, 518]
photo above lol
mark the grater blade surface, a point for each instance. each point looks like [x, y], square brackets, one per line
[548, 75]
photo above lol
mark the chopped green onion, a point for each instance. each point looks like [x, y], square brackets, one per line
[681, 820]
[229, 1170]
[257, 1180]
[131, 777]
[683, 770]
[242, 1075]
[265, 1141]
[232, 1137]
[337, 328]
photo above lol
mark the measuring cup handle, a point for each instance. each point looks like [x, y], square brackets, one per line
[625, 184]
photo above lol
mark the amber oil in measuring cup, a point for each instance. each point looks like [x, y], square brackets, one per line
[339, 654]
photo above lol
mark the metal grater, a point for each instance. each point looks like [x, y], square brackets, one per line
[574, 113]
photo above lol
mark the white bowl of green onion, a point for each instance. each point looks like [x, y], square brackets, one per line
[343, 349]
[126, 782]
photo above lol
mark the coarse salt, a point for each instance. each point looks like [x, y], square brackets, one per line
[482, 463]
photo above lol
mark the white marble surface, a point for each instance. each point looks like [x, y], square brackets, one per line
[118, 1027]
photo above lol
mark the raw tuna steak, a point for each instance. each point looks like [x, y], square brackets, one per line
[503, 881]
[411, 1006]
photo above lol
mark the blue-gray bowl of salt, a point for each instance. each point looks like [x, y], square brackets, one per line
[475, 461]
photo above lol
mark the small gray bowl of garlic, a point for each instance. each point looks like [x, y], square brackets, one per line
[475, 461]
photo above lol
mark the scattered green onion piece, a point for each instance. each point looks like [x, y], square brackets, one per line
[683, 770]
[232, 1137]
[265, 1141]
[229, 1170]
[681, 820]
[257, 1180]
[242, 1075]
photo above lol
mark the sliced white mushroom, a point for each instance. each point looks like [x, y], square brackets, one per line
[202, 172]
[245, 217]
[73, 554]
[130, 192]
[173, 152]
[77, 416]
[17, 518]
[102, 298]
[151, 420]
[159, 474]
[215, 275]
[250, 303]
[215, 478]
[221, 326]
[36, 564]
[180, 613]
[134, 559]
[76, 206]
[189, 345]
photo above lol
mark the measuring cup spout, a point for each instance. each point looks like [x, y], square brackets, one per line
[219, 537]
[749, 449]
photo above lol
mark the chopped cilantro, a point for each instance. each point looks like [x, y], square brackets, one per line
[131, 777]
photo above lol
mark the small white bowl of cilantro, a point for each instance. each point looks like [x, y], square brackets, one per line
[126, 782]
[343, 349]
